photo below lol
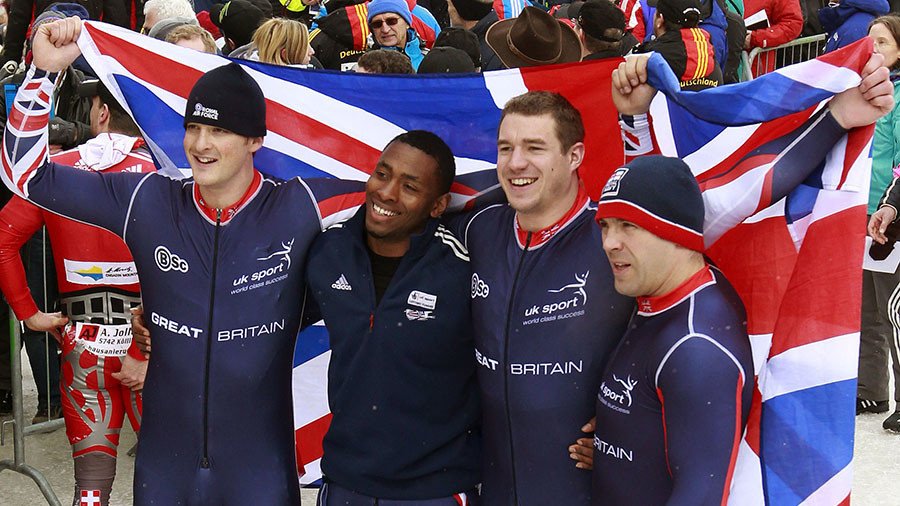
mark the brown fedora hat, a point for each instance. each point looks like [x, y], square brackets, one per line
[533, 38]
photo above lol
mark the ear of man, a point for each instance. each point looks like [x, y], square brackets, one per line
[576, 155]
[256, 143]
[104, 116]
[440, 205]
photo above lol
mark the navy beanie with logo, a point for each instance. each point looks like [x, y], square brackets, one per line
[227, 97]
[660, 195]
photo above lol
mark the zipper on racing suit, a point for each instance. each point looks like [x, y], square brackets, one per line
[204, 461]
[512, 296]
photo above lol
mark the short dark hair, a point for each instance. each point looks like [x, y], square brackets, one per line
[569, 126]
[385, 61]
[435, 147]
[460, 38]
[472, 10]
[119, 120]
[603, 26]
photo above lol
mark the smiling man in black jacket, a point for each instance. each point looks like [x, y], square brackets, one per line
[393, 287]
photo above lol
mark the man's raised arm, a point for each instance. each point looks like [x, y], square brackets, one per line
[86, 196]
[855, 107]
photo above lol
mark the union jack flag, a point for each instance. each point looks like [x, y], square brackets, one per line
[791, 242]
[329, 124]
[771, 230]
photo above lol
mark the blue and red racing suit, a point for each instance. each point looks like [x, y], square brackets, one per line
[545, 317]
[222, 290]
[674, 399]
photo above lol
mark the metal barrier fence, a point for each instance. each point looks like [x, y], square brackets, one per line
[17, 464]
[764, 60]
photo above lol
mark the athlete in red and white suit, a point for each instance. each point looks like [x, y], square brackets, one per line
[98, 284]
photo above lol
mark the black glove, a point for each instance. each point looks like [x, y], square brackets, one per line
[68, 134]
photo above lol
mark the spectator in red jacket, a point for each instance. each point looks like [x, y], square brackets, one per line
[771, 23]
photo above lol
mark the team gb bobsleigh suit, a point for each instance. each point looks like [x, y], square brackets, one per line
[97, 285]
[675, 395]
[546, 317]
[657, 396]
[222, 292]
[675, 398]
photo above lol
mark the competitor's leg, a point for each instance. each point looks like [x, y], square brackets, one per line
[95, 471]
[93, 410]
[94, 476]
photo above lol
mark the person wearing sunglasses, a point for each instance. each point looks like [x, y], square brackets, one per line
[389, 23]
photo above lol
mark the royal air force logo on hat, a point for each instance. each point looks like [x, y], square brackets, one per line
[612, 185]
[206, 112]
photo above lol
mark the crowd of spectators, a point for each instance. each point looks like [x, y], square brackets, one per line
[339, 33]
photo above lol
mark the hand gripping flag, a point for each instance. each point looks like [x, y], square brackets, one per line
[771, 230]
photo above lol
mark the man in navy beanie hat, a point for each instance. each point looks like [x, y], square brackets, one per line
[224, 99]
[659, 194]
[685, 354]
[230, 90]
[221, 258]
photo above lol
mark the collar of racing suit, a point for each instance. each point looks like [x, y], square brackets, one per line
[540, 237]
[648, 306]
[107, 150]
[228, 212]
